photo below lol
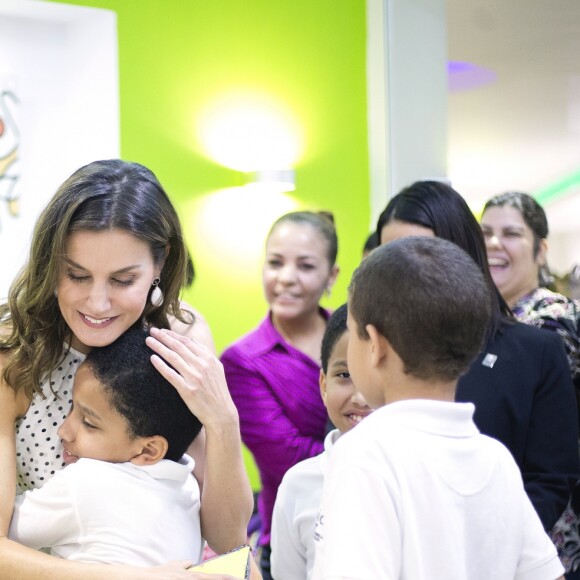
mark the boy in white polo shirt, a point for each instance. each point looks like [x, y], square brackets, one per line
[127, 494]
[416, 492]
[298, 498]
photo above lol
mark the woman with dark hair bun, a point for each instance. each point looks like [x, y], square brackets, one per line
[520, 383]
[515, 229]
[273, 371]
[107, 253]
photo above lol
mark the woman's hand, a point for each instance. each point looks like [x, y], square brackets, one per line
[178, 571]
[175, 571]
[197, 375]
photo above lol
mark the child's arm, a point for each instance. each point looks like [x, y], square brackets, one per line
[45, 517]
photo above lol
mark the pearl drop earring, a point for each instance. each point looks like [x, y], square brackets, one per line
[156, 297]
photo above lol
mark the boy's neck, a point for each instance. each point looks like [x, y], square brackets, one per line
[411, 388]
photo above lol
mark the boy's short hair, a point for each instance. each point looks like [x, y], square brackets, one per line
[335, 328]
[428, 298]
[136, 390]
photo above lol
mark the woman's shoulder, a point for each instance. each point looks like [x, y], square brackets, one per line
[544, 303]
[252, 343]
[526, 336]
[13, 403]
[198, 329]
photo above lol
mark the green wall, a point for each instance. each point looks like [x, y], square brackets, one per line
[179, 60]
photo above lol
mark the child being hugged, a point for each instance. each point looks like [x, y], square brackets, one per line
[127, 495]
[298, 498]
[416, 491]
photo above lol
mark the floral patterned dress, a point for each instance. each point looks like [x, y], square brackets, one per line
[546, 309]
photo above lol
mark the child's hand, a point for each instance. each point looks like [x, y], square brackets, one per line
[197, 374]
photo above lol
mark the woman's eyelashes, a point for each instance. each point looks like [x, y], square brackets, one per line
[76, 277]
[80, 278]
[127, 282]
[278, 263]
[487, 233]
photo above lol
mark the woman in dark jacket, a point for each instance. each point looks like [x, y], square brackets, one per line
[520, 383]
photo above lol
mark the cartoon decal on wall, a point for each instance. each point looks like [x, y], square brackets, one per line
[9, 152]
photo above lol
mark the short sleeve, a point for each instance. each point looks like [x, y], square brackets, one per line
[45, 517]
[358, 534]
[288, 559]
[538, 558]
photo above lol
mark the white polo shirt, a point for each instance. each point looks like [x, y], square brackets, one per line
[415, 492]
[114, 513]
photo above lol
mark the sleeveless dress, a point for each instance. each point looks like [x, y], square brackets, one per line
[38, 447]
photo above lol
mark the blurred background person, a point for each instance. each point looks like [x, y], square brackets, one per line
[273, 371]
[515, 229]
[371, 243]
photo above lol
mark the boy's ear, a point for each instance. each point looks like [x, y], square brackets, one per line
[322, 383]
[154, 449]
[378, 345]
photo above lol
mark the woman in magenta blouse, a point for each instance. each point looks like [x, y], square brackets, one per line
[273, 371]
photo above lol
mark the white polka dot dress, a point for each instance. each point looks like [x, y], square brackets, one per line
[38, 447]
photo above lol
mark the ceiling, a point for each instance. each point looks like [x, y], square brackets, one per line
[514, 111]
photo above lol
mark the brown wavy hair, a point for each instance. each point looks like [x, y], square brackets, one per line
[103, 195]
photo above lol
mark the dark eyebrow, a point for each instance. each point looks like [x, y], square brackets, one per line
[121, 271]
[339, 363]
[89, 412]
[281, 256]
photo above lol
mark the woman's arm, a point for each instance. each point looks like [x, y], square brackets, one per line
[561, 315]
[550, 464]
[226, 496]
[12, 405]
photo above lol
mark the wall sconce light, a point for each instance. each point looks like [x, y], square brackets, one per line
[273, 180]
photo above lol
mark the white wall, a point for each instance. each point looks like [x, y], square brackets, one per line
[407, 95]
[61, 63]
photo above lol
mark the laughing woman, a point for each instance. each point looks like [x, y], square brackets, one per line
[273, 372]
[515, 229]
